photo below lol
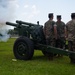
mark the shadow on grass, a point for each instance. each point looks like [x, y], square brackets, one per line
[2, 50]
[59, 60]
[40, 57]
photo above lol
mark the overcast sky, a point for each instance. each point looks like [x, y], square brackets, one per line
[35, 10]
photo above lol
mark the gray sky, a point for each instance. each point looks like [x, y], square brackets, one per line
[35, 10]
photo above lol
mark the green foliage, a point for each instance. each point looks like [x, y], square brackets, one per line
[12, 32]
[39, 65]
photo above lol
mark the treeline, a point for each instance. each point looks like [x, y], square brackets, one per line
[12, 32]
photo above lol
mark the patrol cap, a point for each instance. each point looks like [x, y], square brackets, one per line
[72, 15]
[59, 16]
[50, 15]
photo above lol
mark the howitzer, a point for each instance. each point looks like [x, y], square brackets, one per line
[12, 24]
[32, 37]
[26, 23]
[1, 34]
[29, 30]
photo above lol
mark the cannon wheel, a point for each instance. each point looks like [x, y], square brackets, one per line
[23, 48]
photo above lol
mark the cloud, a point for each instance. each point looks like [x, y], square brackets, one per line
[31, 11]
[35, 11]
[26, 6]
[7, 9]
[7, 13]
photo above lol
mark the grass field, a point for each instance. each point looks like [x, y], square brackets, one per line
[39, 65]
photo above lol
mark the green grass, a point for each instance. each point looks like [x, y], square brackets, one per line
[39, 65]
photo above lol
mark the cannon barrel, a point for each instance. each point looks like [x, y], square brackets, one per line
[11, 24]
[1, 34]
[26, 23]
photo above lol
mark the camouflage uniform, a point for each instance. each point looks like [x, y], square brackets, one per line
[71, 30]
[60, 42]
[61, 34]
[71, 36]
[49, 32]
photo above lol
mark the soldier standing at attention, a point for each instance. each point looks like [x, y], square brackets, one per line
[60, 42]
[71, 35]
[50, 31]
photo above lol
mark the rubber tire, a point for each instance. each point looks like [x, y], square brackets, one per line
[23, 48]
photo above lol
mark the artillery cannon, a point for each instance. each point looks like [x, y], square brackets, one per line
[1, 34]
[32, 37]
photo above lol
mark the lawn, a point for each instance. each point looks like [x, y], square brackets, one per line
[39, 65]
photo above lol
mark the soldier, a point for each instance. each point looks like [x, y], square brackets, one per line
[50, 31]
[71, 35]
[60, 42]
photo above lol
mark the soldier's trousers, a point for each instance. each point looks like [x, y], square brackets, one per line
[60, 43]
[71, 47]
[50, 42]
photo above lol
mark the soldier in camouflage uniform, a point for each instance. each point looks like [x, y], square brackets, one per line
[50, 31]
[60, 42]
[71, 35]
